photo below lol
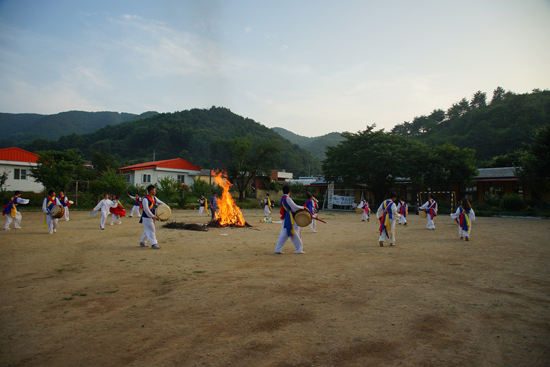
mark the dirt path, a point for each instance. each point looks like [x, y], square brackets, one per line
[85, 297]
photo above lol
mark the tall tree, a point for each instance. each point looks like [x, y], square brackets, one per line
[535, 164]
[244, 160]
[479, 99]
[375, 158]
[498, 95]
[55, 169]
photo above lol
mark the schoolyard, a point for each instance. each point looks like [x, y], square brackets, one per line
[86, 297]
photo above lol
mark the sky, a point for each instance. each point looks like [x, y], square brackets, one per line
[311, 67]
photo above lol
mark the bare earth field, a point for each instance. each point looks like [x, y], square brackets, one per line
[86, 297]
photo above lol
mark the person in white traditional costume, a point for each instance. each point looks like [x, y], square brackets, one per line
[312, 205]
[202, 205]
[11, 211]
[290, 229]
[47, 205]
[267, 205]
[364, 204]
[148, 217]
[387, 214]
[65, 202]
[403, 210]
[105, 206]
[431, 210]
[464, 216]
[137, 205]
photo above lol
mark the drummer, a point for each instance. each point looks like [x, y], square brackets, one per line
[148, 217]
[311, 205]
[65, 202]
[49, 202]
[290, 228]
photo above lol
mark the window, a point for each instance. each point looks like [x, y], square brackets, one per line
[19, 174]
[181, 178]
[146, 178]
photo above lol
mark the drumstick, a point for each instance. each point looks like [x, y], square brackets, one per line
[320, 220]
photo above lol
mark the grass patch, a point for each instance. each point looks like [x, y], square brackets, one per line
[199, 271]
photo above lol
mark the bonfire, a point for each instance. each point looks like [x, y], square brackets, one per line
[228, 214]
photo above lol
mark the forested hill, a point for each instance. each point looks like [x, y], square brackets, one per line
[25, 127]
[315, 145]
[185, 134]
[493, 128]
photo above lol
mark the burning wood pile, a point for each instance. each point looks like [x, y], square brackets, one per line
[228, 214]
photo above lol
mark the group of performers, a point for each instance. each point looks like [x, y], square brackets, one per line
[389, 211]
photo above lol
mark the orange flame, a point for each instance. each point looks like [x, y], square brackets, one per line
[228, 213]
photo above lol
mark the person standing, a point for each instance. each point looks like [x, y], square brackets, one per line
[213, 204]
[267, 205]
[311, 205]
[431, 210]
[150, 202]
[464, 215]
[117, 212]
[202, 205]
[65, 203]
[11, 211]
[403, 210]
[289, 229]
[137, 205]
[105, 205]
[387, 214]
[366, 210]
[47, 205]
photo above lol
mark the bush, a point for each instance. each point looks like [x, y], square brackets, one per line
[513, 203]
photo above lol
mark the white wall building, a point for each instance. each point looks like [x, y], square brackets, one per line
[17, 163]
[145, 174]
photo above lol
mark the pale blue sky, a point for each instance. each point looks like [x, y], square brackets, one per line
[312, 67]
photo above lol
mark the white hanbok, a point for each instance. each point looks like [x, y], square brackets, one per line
[149, 230]
[51, 222]
[427, 206]
[135, 208]
[394, 216]
[471, 216]
[283, 237]
[104, 205]
[17, 219]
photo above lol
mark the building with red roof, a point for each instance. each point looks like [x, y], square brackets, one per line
[145, 174]
[17, 163]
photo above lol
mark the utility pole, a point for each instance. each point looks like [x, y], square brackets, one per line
[154, 152]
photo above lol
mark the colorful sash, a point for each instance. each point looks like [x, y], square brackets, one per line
[464, 220]
[288, 216]
[51, 203]
[310, 205]
[119, 210]
[268, 202]
[11, 207]
[63, 200]
[385, 219]
[366, 207]
[151, 208]
[49, 206]
[138, 203]
[404, 210]
[431, 209]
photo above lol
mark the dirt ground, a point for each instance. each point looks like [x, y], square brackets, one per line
[86, 297]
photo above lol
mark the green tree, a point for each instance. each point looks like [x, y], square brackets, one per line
[244, 160]
[479, 99]
[168, 188]
[201, 187]
[55, 169]
[445, 165]
[535, 163]
[4, 178]
[372, 157]
[110, 183]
